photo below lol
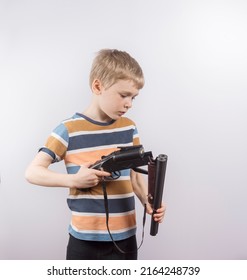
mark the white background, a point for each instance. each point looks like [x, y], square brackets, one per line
[192, 108]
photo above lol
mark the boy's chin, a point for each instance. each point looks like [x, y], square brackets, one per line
[115, 118]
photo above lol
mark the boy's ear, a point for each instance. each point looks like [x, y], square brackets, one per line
[97, 86]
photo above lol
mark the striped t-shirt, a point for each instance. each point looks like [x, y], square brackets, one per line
[80, 140]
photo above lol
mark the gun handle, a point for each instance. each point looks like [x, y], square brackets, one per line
[161, 163]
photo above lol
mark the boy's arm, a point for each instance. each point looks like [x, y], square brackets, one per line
[141, 191]
[139, 186]
[38, 173]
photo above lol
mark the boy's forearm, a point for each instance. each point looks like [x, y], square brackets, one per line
[142, 195]
[139, 187]
[42, 176]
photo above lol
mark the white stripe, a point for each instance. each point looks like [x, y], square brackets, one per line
[123, 178]
[102, 231]
[74, 120]
[86, 214]
[72, 165]
[85, 132]
[60, 139]
[110, 196]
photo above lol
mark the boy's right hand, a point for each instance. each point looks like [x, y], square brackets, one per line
[87, 177]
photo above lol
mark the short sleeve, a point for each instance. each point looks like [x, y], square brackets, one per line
[57, 143]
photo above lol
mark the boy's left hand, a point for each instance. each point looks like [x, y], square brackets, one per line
[160, 213]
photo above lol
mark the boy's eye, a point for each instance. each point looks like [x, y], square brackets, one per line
[125, 96]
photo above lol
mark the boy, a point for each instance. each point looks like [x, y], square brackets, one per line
[115, 81]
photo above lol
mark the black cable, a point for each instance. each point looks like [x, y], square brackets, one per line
[107, 221]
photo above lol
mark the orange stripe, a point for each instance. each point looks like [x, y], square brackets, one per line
[136, 141]
[56, 146]
[99, 223]
[86, 157]
[81, 124]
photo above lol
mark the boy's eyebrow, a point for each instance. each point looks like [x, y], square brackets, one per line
[128, 93]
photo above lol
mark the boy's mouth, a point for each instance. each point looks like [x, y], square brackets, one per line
[121, 113]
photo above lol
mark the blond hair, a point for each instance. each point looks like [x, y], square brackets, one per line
[111, 65]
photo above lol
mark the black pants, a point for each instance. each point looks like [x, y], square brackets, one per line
[93, 250]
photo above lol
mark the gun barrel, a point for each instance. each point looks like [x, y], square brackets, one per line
[128, 157]
[159, 186]
[128, 154]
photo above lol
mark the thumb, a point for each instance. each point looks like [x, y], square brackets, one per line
[149, 209]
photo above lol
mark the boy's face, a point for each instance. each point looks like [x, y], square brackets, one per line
[115, 101]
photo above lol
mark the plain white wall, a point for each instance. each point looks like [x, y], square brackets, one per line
[193, 108]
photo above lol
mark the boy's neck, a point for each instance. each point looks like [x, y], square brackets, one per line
[96, 115]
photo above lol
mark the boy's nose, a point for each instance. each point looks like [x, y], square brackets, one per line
[128, 104]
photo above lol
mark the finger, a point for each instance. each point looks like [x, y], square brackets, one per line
[95, 181]
[159, 220]
[158, 216]
[149, 209]
[102, 173]
[161, 209]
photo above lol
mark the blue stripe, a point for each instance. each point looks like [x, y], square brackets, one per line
[95, 140]
[49, 152]
[102, 236]
[62, 131]
[72, 169]
[135, 132]
[97, 205]
[78, 115]
[125, 172]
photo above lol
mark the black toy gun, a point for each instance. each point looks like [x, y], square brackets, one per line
[132, 157]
